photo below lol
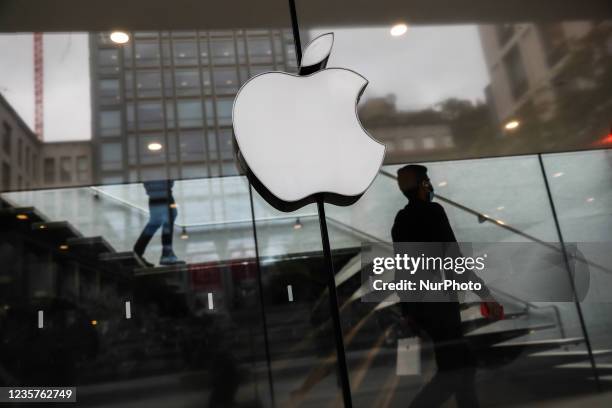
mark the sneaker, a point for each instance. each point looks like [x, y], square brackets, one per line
[170, 259]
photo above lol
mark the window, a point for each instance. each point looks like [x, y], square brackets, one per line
[111, 156]
[148, 84]
[65, 169]
[108, 61]
[260, 50]
[516, 72]
[49, 170]
[28, 161]
[110, 123]
[35, 166]
[429, 142]
[192, 146]
[212, 145]
[150, 115]
[109, 91]
[7, 135]
[408, 144]
[226, 145]
[6, 176]
[190, 113]
[146, 54]
[187, 82]
[226, 80]
[223, 51]
[224, 111]
[19, 151]
[185, 53]
[82, 169]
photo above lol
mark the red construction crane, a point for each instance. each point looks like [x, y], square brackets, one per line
[38, 85]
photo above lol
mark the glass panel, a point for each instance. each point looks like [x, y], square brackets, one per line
[148, 84]
[260, 50]
[185, 52]
[223, 51]
[111, 156]
[150, 115]
[110, 123]
[187, 82]
[192, 146]
[146, 54]
[580, 186]
[499, 85]
[226, 81]
[189, 113]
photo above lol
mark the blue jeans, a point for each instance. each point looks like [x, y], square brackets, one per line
[162, 213]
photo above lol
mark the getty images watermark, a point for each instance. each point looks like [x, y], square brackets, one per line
[443, 272]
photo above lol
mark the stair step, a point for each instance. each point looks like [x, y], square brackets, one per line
[552, 343]
[573, 353]
[485, 340]
[56, 231]
[9, 215]
[157, 270]
[479, 322]
[93, 246]
[128, 259]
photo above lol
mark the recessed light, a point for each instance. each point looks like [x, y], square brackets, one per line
[398, 29]
[298, 224]
[119, 37]
[154, 146]
[22, 216]
[501, 207]
[63, 247]
[558, 174]
[590, 200]
[513, 124]
[442, 184]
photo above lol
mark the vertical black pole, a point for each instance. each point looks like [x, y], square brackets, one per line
[261, 299]
[587, 340]
[327, 258]
[334, 307]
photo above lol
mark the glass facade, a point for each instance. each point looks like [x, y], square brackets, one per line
[142, 267]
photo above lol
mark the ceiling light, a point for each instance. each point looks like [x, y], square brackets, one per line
[558, 174]
[119, 37]
[442, 184]
[94, 322]
[513, 124]
[22, 216]
[154, 146]
[590, 200]
[501, 207]
[399, 29]
[63, 247]
[298, 224]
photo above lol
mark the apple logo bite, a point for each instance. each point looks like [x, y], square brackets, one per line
[298, 137]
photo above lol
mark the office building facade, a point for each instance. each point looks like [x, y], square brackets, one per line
[162, 103]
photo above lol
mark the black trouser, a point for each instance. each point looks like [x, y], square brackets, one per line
[456, 362]
[162, 213]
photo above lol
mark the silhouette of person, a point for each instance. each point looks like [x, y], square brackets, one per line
[162, 213]
[425, 221]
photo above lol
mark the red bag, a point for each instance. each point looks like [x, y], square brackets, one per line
[486, 313]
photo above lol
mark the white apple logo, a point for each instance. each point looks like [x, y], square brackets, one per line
[300, 136]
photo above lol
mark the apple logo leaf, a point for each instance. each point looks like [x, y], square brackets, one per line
[316, 54]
